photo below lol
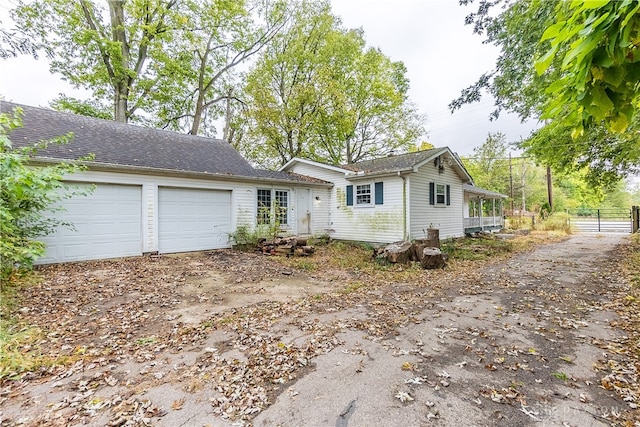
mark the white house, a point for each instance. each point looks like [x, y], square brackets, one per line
[156, 191]
[400, 197]
[159, 191]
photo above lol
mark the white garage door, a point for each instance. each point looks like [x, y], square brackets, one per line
[107, 224]
[193, 220]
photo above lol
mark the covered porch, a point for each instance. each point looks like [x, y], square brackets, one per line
[483, 209]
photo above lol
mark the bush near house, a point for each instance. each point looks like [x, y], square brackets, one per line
[27, 195]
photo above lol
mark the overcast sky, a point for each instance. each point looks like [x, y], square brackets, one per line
[442, 56]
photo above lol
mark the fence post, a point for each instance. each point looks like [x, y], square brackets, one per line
[598, 220]
[635, 219]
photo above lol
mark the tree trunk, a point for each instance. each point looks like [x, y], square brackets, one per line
[398, 252]
[433, 258]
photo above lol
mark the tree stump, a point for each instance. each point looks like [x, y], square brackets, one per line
[398, 252]
[433, 258]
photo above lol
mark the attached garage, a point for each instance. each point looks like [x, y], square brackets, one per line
[193, 219]
[107, 224]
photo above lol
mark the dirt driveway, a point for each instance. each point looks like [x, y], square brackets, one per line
[222, 338]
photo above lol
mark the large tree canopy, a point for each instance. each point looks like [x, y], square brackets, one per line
[166, 63]
[107, 49]
[317, 91]
[584, 83]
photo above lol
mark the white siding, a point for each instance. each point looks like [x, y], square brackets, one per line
[322, 198]
[448, 219]
[375, 223]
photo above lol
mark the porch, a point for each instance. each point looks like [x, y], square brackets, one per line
[483, 210]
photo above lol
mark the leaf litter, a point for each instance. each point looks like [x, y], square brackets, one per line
[117, 331]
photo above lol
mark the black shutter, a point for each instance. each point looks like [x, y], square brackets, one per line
[432, 193]
[379, 193]
[349, 195]
[448, 195]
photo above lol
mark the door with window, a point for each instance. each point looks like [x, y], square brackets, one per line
[303, 210]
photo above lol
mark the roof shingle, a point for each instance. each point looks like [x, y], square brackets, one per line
[124, 144]
[391, 163]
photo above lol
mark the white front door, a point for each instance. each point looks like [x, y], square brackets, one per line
[303, 208]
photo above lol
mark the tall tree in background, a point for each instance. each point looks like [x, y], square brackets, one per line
[171, 61]
[566, 37]
[107, 50]
[318, 92]
[489, 164]
[216, 37]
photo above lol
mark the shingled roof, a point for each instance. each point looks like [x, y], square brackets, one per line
[125, 145]
[393, 163]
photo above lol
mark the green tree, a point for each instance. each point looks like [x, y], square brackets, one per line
[595, 44]
[27, 197]
[216, 37]
[558, 33]
[317, 91]
[110, 51]
[489, 164]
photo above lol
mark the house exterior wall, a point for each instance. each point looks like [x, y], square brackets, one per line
[448, 219]
[243, 199]
[374, 223]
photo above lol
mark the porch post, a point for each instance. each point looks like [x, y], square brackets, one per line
[481, 221]
[493, 211]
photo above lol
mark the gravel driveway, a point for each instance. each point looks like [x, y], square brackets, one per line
[222, 338]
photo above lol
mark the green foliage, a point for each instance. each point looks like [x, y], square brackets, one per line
[110, 51]
[595, 46]
[587, 84]
[475, 249]
[245, 238]
[27, 197]
[167, 59]
[489, 165]
[84, 108]
[317, 92]
[557, 221]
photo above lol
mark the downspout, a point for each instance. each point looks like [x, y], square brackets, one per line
[404, 206]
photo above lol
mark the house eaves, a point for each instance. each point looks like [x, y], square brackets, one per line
[378, 174]
[477, 191]
[313, 163]
[139, 170]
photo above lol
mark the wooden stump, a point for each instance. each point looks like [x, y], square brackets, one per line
[433, 258]
[398, 252]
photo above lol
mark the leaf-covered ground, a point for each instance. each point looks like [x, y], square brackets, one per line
[220, 338]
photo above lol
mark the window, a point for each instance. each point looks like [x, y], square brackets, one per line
[282, 206]
[278, 210]
[264, 206]
[440, 194]
[363, 194]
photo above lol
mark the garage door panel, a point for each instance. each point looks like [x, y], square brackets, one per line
[107, 224]
[193, 219]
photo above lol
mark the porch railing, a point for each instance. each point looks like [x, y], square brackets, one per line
[484, 222]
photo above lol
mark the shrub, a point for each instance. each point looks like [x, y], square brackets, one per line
[558, 221]
[27, 197]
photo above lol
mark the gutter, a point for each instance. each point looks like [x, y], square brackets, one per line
[364, 176]
[144, 170]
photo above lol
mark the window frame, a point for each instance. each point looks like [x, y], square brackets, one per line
[358, 195]
[265, 198]
[439, 194]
